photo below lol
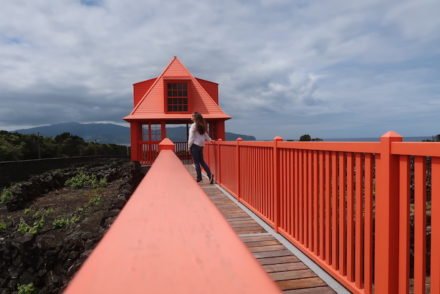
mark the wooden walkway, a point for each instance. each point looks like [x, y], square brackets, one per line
[289, 273]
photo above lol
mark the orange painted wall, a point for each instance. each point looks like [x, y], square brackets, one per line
[139, 90]
[210, 87]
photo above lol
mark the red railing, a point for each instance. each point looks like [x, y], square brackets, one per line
[149, 151]
[182, 151]
[170, 239]
[339, 203]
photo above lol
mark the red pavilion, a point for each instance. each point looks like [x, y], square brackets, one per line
[171, 98]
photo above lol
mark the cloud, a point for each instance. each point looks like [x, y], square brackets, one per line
[284, 67]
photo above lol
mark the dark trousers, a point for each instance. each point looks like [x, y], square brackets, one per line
[197, 154]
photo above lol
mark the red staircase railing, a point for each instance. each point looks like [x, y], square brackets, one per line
[170, 238]
[345, 205]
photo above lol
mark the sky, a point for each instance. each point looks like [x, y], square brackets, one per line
[332, 69]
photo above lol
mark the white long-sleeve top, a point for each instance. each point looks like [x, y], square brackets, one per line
[196, 138]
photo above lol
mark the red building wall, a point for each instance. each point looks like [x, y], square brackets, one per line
[210, 87]
[139, 90]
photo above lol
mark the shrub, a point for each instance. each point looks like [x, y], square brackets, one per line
[62, 222]
[3, 226]
[94, 201]
[82, 180]
[26, 289]
[43, 212]
[6, 196]
[24, 227]
[78, 181]
[102, 183]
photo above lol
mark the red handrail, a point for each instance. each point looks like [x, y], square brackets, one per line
[149, 150]
[345, 204]
[170, 238]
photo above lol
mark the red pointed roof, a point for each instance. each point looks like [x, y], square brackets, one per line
[151, 106]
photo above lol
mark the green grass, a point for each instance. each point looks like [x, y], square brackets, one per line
[82, 180]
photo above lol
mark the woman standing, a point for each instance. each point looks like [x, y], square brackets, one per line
[197, 137]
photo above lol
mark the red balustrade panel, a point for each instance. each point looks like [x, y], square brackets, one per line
[419, 221]
[342, 203]
[228, 172]
[149, 150]
[326, 201]
[256, 179]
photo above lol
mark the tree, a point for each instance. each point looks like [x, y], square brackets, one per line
[305, 137]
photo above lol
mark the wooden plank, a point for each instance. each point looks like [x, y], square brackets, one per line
[248, 231]
[276, 260]
[284, 267]
[237, 218]
[261, 243]
[301, 283]
[242, 221]
[276, 253]
[291, 275]
[256, 237]
[247, 226]
[266, 248]
[314, 290]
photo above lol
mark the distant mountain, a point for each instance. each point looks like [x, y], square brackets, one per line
[111, 133]
[101, 133]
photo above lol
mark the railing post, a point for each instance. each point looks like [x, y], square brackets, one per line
[276, 188]
[237, 167]
[207, 154]
[219, 176]
[387, 217]
[166, 144]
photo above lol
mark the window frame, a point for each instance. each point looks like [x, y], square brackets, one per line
[166, 97]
